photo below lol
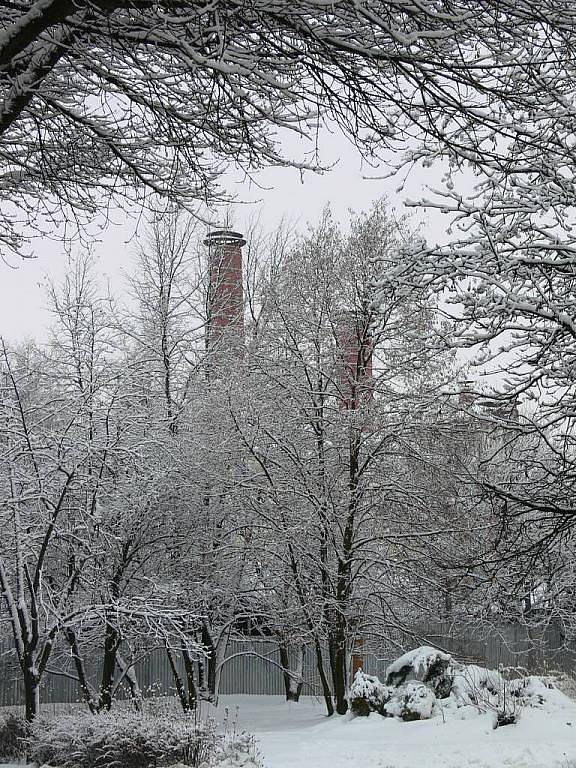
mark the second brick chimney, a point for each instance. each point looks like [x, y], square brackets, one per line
[354, 366]
[225, 329]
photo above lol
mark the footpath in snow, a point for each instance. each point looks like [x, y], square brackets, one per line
[301, 736]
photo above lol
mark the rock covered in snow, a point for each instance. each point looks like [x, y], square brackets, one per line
[368, 694]
[411, 701]
[427, 665]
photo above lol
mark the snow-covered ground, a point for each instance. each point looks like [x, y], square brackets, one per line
[300, 736]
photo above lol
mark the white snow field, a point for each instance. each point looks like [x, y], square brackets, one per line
[301, 736]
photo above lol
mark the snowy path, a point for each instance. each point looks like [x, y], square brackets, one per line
[299, 736]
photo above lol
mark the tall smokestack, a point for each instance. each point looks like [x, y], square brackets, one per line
[355, 350]
[225, 331]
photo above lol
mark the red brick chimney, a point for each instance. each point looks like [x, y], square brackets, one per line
[225, 329]
[354, 368]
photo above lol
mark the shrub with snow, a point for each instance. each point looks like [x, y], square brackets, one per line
[476, 685]
[368, 694]
[420, 678]
[13, 733]
[411, 701]
[127, 739]
[531, 691]
[236, 751]
[505, 717]
[427, 665]
[488, 691]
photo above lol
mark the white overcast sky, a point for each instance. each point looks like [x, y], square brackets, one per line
[285, 193]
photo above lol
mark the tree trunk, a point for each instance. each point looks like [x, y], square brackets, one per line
[340, 678]
[338, 661]
[201, 675]
[180, 689]
[129, 672]
[326, 692]
[209, 665]
[221, 648]
[190, 683]
[293, 681]
[111, 644]
[31, 690]
[85, 689]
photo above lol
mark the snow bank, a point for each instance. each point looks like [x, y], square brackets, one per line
[291, 735]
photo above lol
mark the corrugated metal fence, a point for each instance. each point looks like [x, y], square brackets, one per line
[249, 669]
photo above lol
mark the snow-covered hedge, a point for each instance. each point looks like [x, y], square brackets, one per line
[410, 701]
[532, 691]
[126, 739]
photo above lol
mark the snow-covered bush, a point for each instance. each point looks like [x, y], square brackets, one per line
[411, 701]
[476, 685]
[13, 733]
[427, 665]
[126, 739]
[488, 691]
[236, 750]
[531, 691]
[368, 694]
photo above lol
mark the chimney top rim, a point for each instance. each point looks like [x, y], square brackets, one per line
[224, 237]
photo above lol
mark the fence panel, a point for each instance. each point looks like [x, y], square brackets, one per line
[253, 665]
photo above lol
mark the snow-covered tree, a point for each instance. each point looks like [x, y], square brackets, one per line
[167, 326]
[339, 392]
[87, 495]
[126, 98]
[49, 466]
